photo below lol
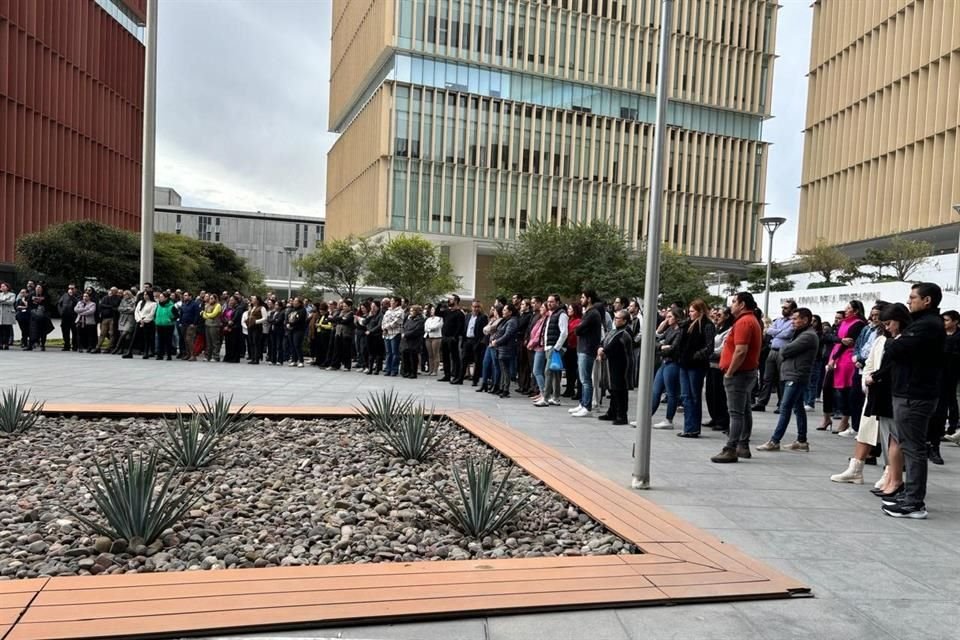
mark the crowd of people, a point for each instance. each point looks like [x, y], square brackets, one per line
[889, 377]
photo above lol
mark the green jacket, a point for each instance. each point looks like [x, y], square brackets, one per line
[164, 317]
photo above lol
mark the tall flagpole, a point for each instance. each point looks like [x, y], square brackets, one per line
[149, 145]
[641, 457]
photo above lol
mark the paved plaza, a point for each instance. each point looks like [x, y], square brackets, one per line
[873, 577]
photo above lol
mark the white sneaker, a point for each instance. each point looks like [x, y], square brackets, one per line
[541, 403]
[664, 424]
[807, 407]
[581, 412]
[633, 423]
[954, 438]
[300, 365]
[574, 409]
[849, 433]
[554, 402]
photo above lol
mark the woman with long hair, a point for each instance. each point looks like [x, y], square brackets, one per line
[22, 306]
[296, 325]
[232, 331]
[841, 361]
[143, 315]
[572, 388]
[411, 341]
[7, 315]
[490, 370]
[535, 347]
[256, 323]
[432, 329]
[667, 379]
[39, 319]
[696, 347]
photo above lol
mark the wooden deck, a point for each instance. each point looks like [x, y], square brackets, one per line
[679, 564]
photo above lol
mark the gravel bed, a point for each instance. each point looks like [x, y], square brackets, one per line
[287, 493]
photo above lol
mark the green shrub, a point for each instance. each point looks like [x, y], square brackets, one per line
[188, 442]
[135, 501]
[15, 417]
[483, 506]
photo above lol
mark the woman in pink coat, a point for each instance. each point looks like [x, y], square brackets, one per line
[841, 359]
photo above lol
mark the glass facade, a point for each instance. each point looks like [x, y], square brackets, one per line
[546, 92]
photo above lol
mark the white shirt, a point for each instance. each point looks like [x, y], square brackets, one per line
[433, 327]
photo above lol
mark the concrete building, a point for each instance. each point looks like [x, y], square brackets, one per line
[71, 114]
[467, 120]
[268, 241]
[881, 155]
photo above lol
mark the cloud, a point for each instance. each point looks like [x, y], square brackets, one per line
[242, 103]
[785, 130]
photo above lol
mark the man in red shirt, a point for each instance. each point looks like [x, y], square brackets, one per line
[739, 362]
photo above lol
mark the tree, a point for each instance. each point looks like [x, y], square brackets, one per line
[338, 265]
[76, 251]
[86, 250]
[903, 256]
[679, 279]
[825, 260]
[412, 267]
[734, 283]
[564, 259]
[757, 279]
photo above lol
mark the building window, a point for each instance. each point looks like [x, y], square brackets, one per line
[306, 232]
[216, 230]
[296, 241]
[179, 223]
[319, 234]
[204, 223]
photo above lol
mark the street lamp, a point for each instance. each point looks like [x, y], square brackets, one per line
[771, 224]
[290, 251]
[956, 285]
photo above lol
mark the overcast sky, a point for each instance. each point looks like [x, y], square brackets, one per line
[242, 106]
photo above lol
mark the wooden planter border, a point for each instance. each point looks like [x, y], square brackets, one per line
[679, 564]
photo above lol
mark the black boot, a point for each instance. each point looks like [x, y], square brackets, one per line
[933, 453]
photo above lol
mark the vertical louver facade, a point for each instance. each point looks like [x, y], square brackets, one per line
[71, 103]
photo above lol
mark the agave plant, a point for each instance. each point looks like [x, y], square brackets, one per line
[15, 417]
[217, 417]
[414, 435]
[483, 506]
[188, 442]
[136, 501]
[384, 409]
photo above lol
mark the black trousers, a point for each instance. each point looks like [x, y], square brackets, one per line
[68, 329]
[376, 350]
[145, 333]
[771, 378]
[717, 398]
[471, 352]
[450, 352]
[255, 344]
[524, 370]
[344, 348]
[572, 388]
[165, 341]
[409, 359]
[618, 404]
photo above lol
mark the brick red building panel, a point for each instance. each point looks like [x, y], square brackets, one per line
[71, 117]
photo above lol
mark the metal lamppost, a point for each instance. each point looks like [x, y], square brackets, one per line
[641, 451]
[290, 251]
[149, 145]
[771, 224]
[956, 285]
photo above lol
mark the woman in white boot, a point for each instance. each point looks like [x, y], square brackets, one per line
[877, 421]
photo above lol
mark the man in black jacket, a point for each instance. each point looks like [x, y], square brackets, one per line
[917, 359]
[107, 310]
[68, 318]
[454, 328]
[472, 351]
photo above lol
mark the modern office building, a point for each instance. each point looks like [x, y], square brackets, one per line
[268, 241]
[881, 155]
[71, 112]
[467, 120]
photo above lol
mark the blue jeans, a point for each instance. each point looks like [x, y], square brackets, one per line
[491, 368]
[667, 379]
[816, 375]
[393, 355]
[691, 386]
[539, 369]
[792, 400]
[585, 371]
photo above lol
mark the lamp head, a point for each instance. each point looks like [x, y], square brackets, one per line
[772, 223]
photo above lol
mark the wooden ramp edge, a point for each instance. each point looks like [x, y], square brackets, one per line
[679, 564]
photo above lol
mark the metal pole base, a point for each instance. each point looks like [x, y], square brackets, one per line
[637, 483]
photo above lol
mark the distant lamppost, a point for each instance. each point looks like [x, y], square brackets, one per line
[956, 285]
[771, 224]
[290, 251]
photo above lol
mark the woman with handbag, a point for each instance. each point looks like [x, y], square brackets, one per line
[537, 355]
